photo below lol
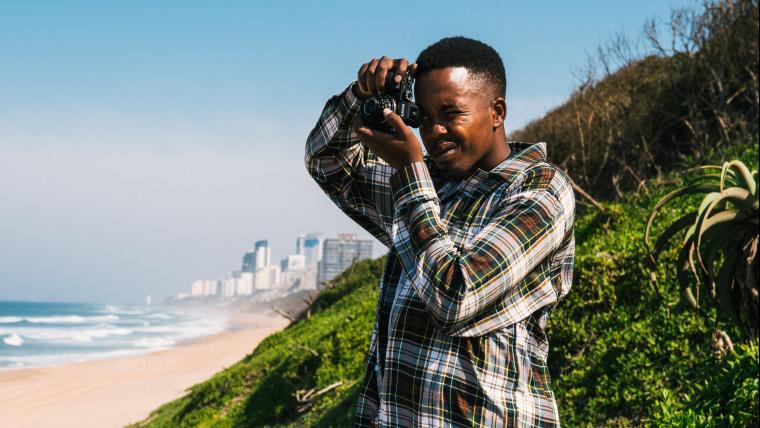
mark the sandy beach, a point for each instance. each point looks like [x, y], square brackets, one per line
[114, 393]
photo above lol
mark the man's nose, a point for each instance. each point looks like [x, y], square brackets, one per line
[435, 130]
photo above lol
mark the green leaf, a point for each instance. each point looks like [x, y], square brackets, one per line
[743, 175]
[681, 191]
[668, 233]
[716, 238]
[704, 221]
[724, 284]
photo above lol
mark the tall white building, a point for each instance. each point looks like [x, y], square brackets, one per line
[204, 287]
[229, 287]
[263, 254]
[310, 246]
[266, 278]
[244, 284]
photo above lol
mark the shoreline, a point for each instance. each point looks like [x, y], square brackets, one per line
[118, 391]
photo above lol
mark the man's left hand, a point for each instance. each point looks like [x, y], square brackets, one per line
[398, 149]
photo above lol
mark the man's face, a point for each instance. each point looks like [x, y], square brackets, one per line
[457, 126]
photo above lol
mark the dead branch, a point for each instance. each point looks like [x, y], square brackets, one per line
[586, 196]
[306, 348]
[306, 397]
[283, 313]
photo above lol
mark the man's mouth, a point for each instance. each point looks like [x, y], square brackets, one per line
[443, 151]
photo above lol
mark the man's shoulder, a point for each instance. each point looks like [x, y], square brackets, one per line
[538, 176]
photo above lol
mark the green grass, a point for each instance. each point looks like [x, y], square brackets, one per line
[625, 350]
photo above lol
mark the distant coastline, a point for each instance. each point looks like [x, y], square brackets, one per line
[39, 334]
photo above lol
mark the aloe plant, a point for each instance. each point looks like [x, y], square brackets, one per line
[719, 250]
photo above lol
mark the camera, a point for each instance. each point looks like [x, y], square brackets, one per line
[399, 98]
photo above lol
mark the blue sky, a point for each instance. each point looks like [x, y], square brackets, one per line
[144, 145]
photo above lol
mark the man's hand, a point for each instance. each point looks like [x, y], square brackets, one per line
[398, 149]
[370, 79]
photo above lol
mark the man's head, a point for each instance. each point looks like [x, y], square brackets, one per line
[461, 85]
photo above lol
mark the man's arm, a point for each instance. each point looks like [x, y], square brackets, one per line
[456, 283]
[351, 175]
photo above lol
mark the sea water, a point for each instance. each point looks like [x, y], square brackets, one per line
[39, 334]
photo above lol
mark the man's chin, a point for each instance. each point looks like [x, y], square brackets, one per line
[451, 172]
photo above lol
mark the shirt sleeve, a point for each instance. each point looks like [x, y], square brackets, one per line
[458, 282]
[356, 179]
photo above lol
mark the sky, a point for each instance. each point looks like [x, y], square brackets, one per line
[144, 145]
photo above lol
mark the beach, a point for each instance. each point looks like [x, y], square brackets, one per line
[117, 392]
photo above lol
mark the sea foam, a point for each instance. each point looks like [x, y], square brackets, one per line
[13, 340]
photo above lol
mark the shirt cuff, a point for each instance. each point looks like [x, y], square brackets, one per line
[348, 106]
[350, 97]
[412, 183]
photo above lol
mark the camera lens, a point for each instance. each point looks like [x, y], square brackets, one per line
[372, 109]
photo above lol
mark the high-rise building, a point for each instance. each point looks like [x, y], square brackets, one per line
[310, 246]
[229, 286]
[338, 254]
[244, 284]
[293, 269]
[266, 278]
[312, 250]
[249, 261]
[263, 254]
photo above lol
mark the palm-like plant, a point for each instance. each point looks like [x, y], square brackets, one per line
[723, 230]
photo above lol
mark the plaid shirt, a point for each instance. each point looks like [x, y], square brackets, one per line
[474, 268]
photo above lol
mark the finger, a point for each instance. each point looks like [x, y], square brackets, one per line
[369, 76]
[401, 67]
[375, 137]
[413, 69]
[395, 121]
[360, 79]
[382, 72]
[369, 138]
[358, 122]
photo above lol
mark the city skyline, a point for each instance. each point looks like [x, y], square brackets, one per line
[316, 260]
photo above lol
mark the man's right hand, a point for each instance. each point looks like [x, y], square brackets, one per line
[370, 79]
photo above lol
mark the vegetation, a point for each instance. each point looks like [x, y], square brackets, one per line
[724, 226]
[665, 102]
[621, 337]
[726, 394]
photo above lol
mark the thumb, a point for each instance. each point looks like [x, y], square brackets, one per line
[395, 121]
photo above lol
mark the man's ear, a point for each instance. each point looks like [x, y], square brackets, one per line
[498, 112]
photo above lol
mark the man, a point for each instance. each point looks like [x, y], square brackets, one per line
[480, 233]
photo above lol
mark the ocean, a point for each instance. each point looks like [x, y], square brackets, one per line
[40, 334]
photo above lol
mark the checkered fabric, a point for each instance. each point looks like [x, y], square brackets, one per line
[475, 266]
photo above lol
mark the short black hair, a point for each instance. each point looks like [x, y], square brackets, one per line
[475, 56]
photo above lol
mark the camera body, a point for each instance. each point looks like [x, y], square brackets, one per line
[399, 98]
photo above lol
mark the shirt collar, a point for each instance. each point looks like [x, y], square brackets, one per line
[522, 156]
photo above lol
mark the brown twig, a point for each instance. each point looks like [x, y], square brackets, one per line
[306, 397]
